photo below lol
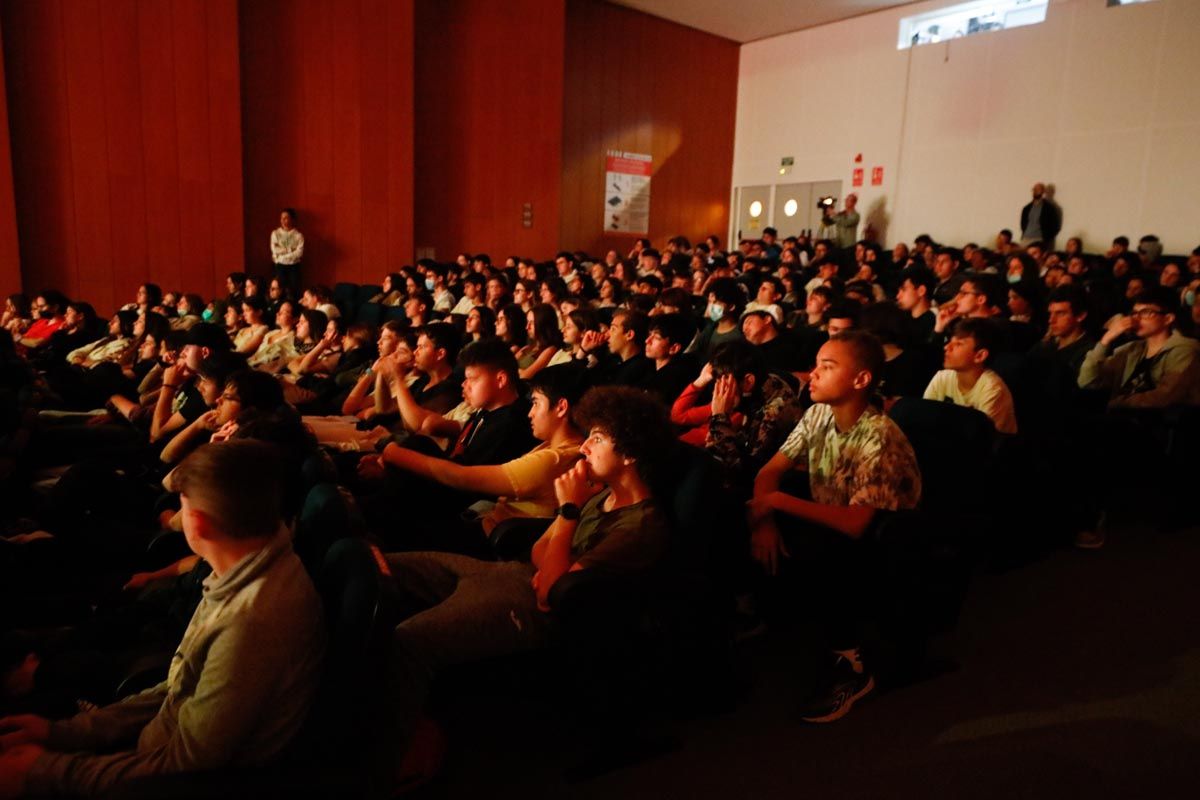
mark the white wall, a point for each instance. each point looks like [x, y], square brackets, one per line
[1103, 102]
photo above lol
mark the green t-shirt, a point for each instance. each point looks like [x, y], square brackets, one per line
[626, 539]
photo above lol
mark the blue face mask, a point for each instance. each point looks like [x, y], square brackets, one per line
[1189, 297]
[716, 312]
[1014, 277]
[207, 315]
[429, 284]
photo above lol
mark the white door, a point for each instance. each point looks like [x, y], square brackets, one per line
[753, 205]
[792, 202]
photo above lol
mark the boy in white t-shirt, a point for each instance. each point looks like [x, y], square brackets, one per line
[966, 379]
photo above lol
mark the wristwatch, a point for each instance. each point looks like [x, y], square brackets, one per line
[568, 511]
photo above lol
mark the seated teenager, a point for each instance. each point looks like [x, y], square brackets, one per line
[78, 330]
[48, 308]
[495, 432]
[782, 351]
[228, 700]
[179, 400]
[725, 301]
[545, 339]
[323, 358]
[136, 400]
[978, 297]
[522, 487]
[278, 346]
[915, 295]
[622, 361]
[188, 310]
[480, 323]
[237, 396]
[17, 316]
[251, 335]
[576, 326]
[668, 335]
[466, 609]
[906, 370]
[472, 287]
[435, 389]
[752, 412]
[1067, 341]
[1161, 368]
[369, 397]
[966, 379]
[116, 346]
[859, 463]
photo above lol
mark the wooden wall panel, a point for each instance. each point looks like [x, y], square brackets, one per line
[489, 137]
[121, 116]
[660, 88]
[327, 109]
[10, 256]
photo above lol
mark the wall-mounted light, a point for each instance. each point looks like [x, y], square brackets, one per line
[790, 208]
[756, 209]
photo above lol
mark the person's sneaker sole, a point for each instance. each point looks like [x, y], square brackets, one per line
[844, 707]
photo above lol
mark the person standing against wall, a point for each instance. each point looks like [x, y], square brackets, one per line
[1040, 218]
[287, 251]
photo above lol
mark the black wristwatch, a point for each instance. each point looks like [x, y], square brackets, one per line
[568, 511]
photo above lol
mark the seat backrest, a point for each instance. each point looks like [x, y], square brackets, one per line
[328, 515]
[394, 313]
[366, 292]
[345, 297]
[361, 610]
[370, 313]
[690, 492]
[953, 445]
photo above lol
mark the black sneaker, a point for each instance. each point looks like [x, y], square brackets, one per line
[848, 688]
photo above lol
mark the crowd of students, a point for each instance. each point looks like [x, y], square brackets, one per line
[549, 394]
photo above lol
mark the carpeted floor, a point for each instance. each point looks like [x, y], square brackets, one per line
[1078, 676]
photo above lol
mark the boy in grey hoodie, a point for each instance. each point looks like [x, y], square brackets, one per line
[240, 683]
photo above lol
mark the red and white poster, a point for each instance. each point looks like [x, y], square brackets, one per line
[627, 192]
[857, 178]
[876, 176]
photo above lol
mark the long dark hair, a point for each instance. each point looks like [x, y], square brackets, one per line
[545, 326]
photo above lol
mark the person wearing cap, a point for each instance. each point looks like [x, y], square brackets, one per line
[762, 326]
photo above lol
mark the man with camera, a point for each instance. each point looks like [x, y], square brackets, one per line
[842, 226]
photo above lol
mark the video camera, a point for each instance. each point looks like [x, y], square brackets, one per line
[827, 205]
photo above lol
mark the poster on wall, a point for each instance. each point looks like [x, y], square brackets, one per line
[877, 176]
[856, 178]
[627, 192]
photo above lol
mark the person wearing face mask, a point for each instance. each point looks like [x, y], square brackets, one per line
[724, 311]
[435, 284]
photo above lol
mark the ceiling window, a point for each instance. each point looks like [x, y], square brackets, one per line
[968, 19]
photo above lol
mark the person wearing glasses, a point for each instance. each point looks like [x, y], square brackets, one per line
[1161, 368]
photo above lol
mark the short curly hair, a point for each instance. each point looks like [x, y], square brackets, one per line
[634, 419]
